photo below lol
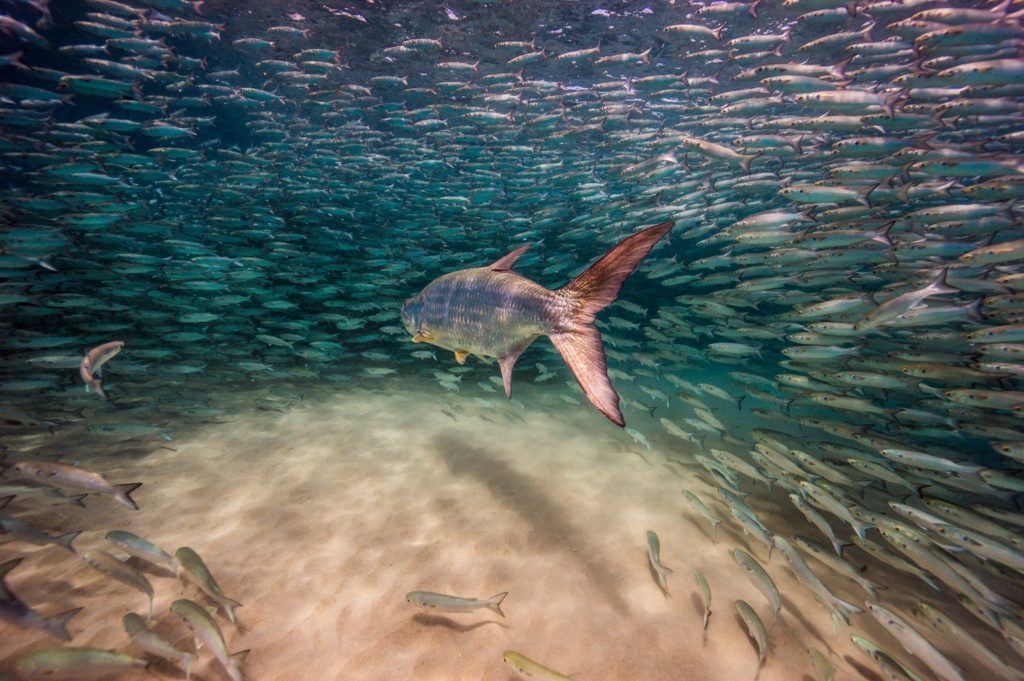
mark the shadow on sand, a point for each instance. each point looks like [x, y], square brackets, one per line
[549, 526]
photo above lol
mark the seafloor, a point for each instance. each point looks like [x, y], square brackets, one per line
[319, 518]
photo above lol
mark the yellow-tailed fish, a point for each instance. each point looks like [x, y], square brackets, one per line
[193, 569]
[530, 669]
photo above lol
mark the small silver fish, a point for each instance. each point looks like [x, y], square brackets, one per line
[73, 477]
[455, 603]
[122, 572]
[654, 555]
[91, 367]
[70, 662]
[192, 568]
[705, 593]
[154, 644]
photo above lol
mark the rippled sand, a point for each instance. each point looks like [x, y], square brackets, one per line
[321, 518]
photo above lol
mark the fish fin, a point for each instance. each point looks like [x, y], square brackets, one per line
[583, 352]
[494, 602]
[229, 606]
[505, 263]
[578, 340]
[6, 500]
[66, 539]
[507, 363]
[421, 337]
[939, 284]
[78, 500]
[599, 285]
[123, 494]
[848, 607]
[97, 386]
[461, 355]
[57, 626]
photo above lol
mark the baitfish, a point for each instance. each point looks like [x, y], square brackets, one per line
[530, 669]
[76, 663]
[73, 477]
[455, 603]
[494, 312]
[91, 368]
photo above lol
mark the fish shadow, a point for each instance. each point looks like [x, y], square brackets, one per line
[549, 525]
[864, 670]
[436, 621]
[150, 569]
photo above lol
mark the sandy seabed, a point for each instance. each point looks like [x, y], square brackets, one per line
[321, 518]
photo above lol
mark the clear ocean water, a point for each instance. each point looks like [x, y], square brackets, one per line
[212, 215]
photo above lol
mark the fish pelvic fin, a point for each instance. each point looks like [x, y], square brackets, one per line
[123, 494]
[494, 602]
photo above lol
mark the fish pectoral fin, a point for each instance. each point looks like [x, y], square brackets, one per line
[421, 337]
[505, 263]
[461, 355]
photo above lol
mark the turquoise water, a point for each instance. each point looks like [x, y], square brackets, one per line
[825, 348]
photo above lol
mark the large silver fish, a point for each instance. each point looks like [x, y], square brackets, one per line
[494, 312]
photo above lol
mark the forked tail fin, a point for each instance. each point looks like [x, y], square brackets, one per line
[579, 342]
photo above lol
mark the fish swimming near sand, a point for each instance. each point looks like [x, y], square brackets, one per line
[455, 603]
[72, 477]
[494, 312]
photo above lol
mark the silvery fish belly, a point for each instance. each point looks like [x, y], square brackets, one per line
[483, 312]
[494, 312]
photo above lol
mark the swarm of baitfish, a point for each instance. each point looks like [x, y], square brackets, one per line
[838, 313]
[36, 481]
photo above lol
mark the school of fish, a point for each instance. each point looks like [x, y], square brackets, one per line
[194, 199]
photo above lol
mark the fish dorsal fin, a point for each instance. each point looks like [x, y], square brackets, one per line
[505, 263]
[507, 363]
[461, 355]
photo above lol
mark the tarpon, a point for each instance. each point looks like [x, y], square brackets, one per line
[494, 312]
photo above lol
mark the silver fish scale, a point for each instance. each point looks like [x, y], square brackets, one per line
[484, 312]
